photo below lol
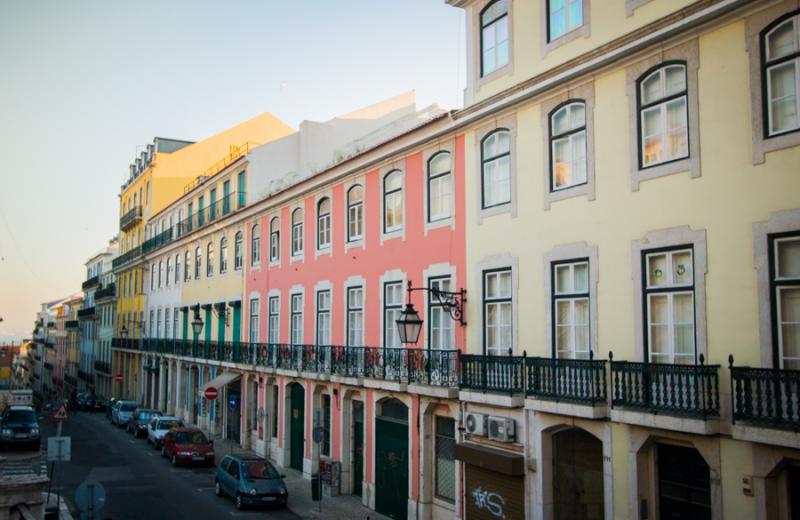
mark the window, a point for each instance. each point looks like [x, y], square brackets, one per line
[167, 321]
[355, 213]
[568, 146]
[297, 232]
[323, 317]
[187, 268]
[152, 277]
[197, 259]
[393, 201]
[440, 187]
[440, 324]
[158, 323]
[781, 75]
[324, 223]
[274, 320]
[445, 458]
[275, 401]
[160, 274]
[785, 252]
[669, 305]
[201, 210]
[169, 271]
[210, 260]
[254, 320]
[151, 324]
[274, 239]
[297, 319]
[241, 186]
[497, 328]
[189, 218]
[663, 117]
[175, 323]
[494, 36]
[212, 204]
[563, 16]
[237, 251]
[177, 268]
[496, 168]
[570, 303]
[223, 255]
[326, 425]
[255, 245]
[392, 307]
[226, 197]
[355, 316]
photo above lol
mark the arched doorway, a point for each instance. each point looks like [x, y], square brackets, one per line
[391, 459]
[297, 426]
[684, 483]
[358, 447]
[577, 476]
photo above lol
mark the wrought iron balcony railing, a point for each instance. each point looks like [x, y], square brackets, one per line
[70, 380]
[109, 290]
[669, 389]
[91, 282]
[127, 343]
[126, 258]
[86, 313]
[767, 397]
[580, 381]
[499, 374]
[129, 219]
[86, 376]
[72, 324]
[48, 365]
[103, 367]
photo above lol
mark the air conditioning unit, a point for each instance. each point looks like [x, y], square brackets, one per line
[475, 423]
[501, 429]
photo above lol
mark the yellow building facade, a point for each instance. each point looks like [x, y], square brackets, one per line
[630, 190]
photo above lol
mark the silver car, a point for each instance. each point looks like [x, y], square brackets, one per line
[122, 412]
[159, 426]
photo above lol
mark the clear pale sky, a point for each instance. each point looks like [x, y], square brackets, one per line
[83, 84]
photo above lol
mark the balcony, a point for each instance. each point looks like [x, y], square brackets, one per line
[669, 396]
[234, 153]
[126, 258]
[765, 404]
[72, 324]
[86, 376]
[161, 239]
[102, 367]
[91, 282]
[71, 380]
[109, 291]
[50, 343]
[87, 313]
[127, 343]
[130, 219]
[48, 365]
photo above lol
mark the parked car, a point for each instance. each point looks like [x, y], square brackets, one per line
[122, 412]
[20, 427]
[140, 419]
[251, 481]
[159, 426]
[187, 446]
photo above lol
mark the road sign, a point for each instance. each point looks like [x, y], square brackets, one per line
[90, 497]
[118, 378]
[60, 413]
[233, 401]
[210, 393]
[59, 449]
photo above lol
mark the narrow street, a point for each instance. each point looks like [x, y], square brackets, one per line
[138, 482]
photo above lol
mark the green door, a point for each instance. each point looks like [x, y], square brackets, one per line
[212, 203]
[391, 467]
[297, 425]
[358, 446]
[201, 206]
[185, 325]
[237, 323]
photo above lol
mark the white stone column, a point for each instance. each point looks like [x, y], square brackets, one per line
[162, 385]
[178, 393]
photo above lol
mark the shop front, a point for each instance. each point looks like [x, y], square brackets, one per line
[494, 482]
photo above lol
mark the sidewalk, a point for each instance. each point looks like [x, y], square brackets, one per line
[345, 507]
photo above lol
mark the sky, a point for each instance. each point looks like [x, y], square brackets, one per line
[84, 84]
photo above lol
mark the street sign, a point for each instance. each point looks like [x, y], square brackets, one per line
[210, 393]
[60, 413]
[59, 449]
[233, 401]
[118, 378]
[90, 497]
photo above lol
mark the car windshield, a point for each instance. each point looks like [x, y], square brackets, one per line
[190, 438]
[146, 415]
[167, 425]
[127, 407]
[22, 416]
[259, 469]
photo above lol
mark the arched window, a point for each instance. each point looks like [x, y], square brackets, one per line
[355, 213]
[496, 168]
[223, 255]
[255, 245]
[187, 266]
[324, 223]
[210, 260]
[393, 201]
[274, 239]
[297, 232]
[169, 271]
[568, 145]
[197, 260]
[663, 116]
[494, 36]
[238, 255]
[177, 268]
[780, 44]
[440, 187]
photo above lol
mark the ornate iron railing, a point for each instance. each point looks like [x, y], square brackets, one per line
[501, 374]
[671, 389]
[130, 218]
[88, 312]
[126, 257]
[105, 292]
[127, 343]
[165, 237]
[767, 397]
[70, 380]
[72, 324]
[102, 366]
[570, 380]
[91, 282]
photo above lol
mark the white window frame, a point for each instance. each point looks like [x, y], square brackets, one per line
[255, 320]
[447, 329]
[570, 135]
[778, 285]
[324, 224]
[274, 310]
[393, 198]
[255, 245]
[323, 318]
[793, 58]
[275, 239]
[572, 297]
[298, 228]
[661, 105]
[355, 214]
[485, 161]
[497, 301]
[354, 331]
[440, 180]
[391, 313]
[565, 7]
[296, 319]
[501, 21]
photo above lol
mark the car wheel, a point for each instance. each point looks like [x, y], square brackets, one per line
[174, 461]
[217, 488]
[238, 502]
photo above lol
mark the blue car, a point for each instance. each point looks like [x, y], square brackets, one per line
[251, 482]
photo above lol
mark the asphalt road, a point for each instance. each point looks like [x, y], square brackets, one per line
[138, 482]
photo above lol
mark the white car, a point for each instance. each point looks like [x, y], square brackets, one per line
[159, 426]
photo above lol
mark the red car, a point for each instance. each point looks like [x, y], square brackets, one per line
[187, 446]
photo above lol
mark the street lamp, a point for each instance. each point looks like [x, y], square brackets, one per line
[409, 324]
[197, 322]
[124, 331]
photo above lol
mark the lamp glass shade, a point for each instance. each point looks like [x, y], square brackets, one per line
[197, 325]
[409, 325]
[124, 331]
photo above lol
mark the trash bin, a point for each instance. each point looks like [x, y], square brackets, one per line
[315, 487]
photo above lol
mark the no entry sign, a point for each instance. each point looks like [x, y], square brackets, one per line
[210, 393]
[118, 377]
